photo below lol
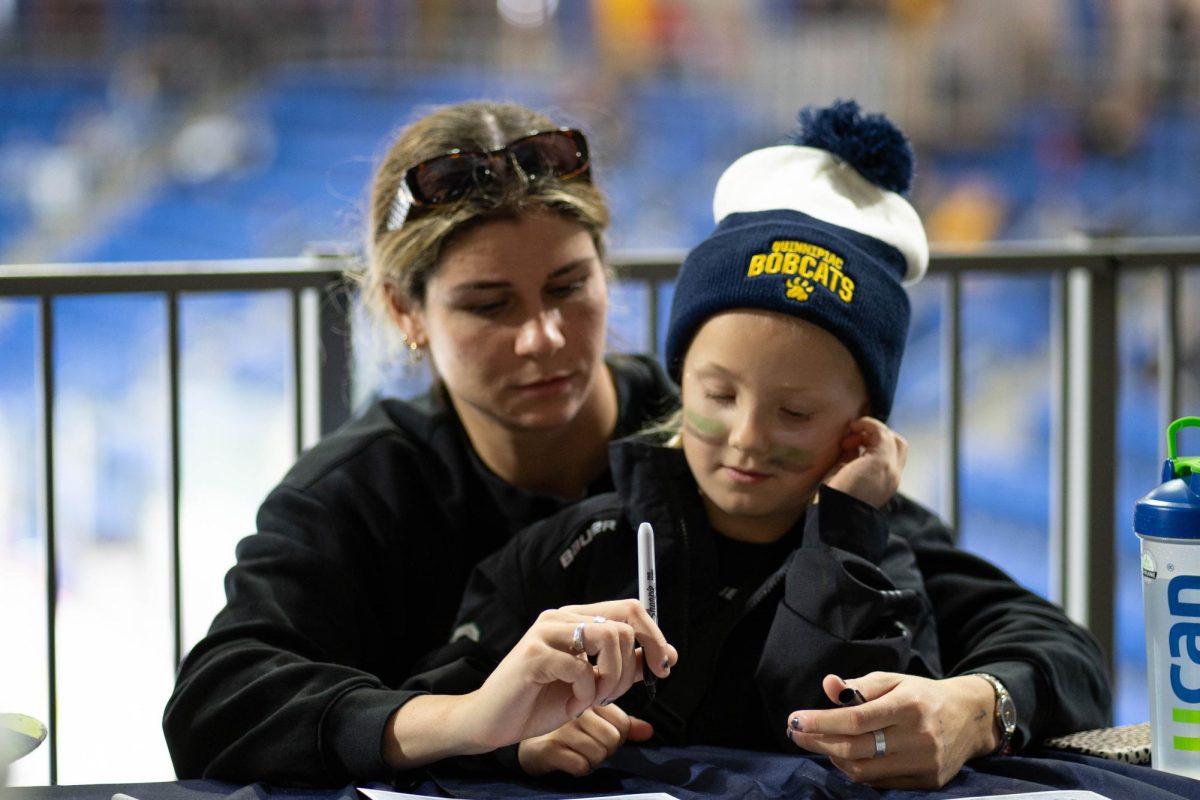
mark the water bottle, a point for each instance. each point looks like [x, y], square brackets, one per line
[1167, 521]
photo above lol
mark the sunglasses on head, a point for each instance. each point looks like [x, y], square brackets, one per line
[561, 153]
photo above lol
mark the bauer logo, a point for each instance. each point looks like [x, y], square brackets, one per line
[584, 539]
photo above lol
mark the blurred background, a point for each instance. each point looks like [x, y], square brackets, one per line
[174, 130]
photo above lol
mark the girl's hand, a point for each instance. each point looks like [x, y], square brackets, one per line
[873, 458]
[583, 744]
[930, 728]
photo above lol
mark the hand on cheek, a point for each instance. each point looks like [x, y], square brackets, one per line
[873, 461]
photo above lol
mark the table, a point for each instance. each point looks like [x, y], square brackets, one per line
[690, 773]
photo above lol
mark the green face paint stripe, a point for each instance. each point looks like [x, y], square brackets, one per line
[1185, 715]
[713, 431]
[792, 455]
[705, 426]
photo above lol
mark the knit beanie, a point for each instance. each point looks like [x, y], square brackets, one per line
[816, 228]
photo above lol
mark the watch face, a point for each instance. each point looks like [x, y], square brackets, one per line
[1008, 714]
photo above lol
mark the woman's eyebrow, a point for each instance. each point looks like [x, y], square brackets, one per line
[480, 285]
[476, 286]
[572, 266]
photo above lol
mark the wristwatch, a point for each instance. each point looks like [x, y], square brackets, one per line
[1005, 714]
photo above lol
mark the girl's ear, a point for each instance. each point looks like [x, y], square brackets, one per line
[407, 316]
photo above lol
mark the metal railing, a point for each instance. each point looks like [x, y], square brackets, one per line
[1084, 334]
[306, 278]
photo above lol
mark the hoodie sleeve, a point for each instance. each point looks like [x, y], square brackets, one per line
[852, 603]
[987, 622]
[279, 690]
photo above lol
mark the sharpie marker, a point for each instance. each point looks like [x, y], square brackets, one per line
[851, 697]
[647, 590]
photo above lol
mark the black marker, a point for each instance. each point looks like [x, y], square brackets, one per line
[850, 697]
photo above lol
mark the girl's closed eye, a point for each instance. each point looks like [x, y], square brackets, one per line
[795, 414]
[721, 398]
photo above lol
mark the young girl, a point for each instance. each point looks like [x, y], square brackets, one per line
[785, 558]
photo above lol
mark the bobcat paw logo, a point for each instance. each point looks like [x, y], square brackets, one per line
[799, 289]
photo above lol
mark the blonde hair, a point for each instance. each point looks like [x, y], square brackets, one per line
[401, 261]
[666, 430]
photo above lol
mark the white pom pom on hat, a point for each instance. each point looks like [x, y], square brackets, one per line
[818, 183]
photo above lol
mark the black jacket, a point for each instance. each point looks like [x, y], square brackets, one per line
[853, 589]
[358, 565]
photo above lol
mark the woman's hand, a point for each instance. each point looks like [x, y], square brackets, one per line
[583, 744]
[930, 728]
[543, 682]
[872, 461]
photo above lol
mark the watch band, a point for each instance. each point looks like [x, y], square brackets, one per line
[1005, 714]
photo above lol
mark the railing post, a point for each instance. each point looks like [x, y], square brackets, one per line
[299, 375]
[652, 318]
[1086, 573]
[952, 386]
[334, 324]
[1168, 355]
[48, 403]
[175, 490]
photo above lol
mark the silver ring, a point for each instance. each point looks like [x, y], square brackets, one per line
[880, 744]
[577, 645]
[598, 619]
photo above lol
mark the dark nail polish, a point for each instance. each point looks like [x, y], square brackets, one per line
[789, 735]
[796, 724]
[666, 663]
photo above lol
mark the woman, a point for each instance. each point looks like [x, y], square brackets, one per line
[485, 254]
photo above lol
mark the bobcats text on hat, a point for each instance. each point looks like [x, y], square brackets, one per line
[810, 261]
